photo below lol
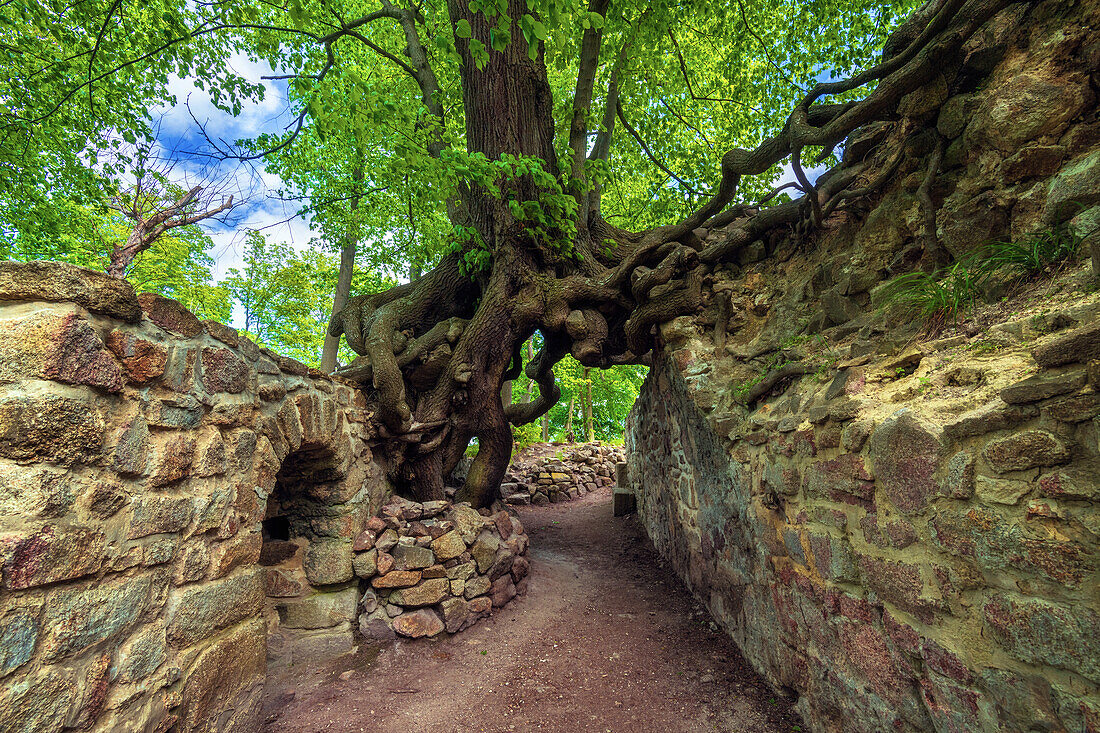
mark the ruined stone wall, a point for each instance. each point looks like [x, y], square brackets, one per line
[904, 530]
[145, 457]
[569, 474]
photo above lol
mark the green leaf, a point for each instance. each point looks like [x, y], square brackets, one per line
[462, 29]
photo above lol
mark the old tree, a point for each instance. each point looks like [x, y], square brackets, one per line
[573, 151]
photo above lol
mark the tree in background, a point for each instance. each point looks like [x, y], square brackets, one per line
[156, 204]
[284, 294]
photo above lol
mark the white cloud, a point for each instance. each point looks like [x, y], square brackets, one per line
[267, 115]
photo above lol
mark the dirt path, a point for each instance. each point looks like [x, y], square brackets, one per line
[605, 640]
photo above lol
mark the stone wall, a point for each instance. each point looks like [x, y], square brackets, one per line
[179, 508]
[570, 473]
[436, 567]
[142, 455]
[901, 529]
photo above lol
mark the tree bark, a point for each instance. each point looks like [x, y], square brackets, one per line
[331, 349]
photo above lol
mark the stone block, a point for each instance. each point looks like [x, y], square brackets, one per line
[240, 551]
[197, 612]
[396, 579]
[454, 612]
[1024, 450]
[142, 360]
[156, 514]
[484, 550]
[223, 371]
[50, 554]
[448, 546]
[281, 584]
[502, 590]
[990, 417]
[38, 702]
[1074, 409]
[225, 682]
[425, 593]
[1001, 490]
[19, 631]
[365, 564]
[78, 617]
[142, 654]
[1079, 345]
[899, 583]
[844, 479]
[1080, 481]
[478, 585]
[171, 458]
[411, 557]
[65, 428]
[1044, 385]
[61, 282]
[320, 610]
[170, 315]
[1041, 632]
[906, 454]
[623, 502]
[417, 624]
[328, 561]
[1076, 186]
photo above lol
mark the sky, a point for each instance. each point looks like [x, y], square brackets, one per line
[183, 142]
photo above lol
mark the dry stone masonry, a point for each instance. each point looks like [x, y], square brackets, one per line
[437, 566]
[898, 529]
[180, 509]
[571, 473]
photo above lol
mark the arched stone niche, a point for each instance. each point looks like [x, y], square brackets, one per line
[144, 456]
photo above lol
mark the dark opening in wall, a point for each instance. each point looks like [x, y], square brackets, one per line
[276, 528]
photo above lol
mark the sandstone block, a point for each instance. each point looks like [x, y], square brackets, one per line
[396, 579]
[328, 561]
[156, 514]
[502, 590]
[1041, 632]
[197, 612]
[1044, 385]
[320, 610]
[79, 617]
[1079, 345]
[484, 550]
[142, 654]
[60, 282]
[280, 584]
[170, 315]
[142, 359]
[1080, 481]
[1025, 450]
[365, 564]
[478, 585]
[55, 427]
[844, 479]
[417, 624]
[19, 631]
[39, 702]
[425, 593]
[906, 453]
[373, 627]
[240, 551]
[454, 613]
[411, 557]
[225, 682]
[49, 554]
[363, 541]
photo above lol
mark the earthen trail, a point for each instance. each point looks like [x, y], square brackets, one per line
[605, 640]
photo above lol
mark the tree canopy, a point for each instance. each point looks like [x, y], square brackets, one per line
[546, 164]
